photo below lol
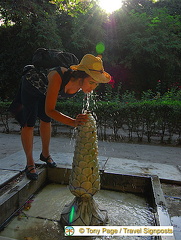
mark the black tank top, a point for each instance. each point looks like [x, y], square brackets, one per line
[65, 80]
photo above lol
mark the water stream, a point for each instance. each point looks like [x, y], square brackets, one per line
[89, 102]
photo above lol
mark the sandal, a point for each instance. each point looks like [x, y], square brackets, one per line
[31, 176]
[48, 160]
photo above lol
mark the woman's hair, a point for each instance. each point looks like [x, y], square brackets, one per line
[79, 74]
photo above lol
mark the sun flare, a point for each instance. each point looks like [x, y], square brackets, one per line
[110, 5]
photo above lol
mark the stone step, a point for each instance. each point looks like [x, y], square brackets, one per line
[15, 164]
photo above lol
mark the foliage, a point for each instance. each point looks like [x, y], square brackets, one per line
[142, 40]
[172, 94]
[156, 118]
[74, 7]
[148, 95]
[86, 31]
[128, 96]
[27, 26]
[148, 43]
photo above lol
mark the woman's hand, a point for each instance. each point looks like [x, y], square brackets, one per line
[54, 85]
[80, 119]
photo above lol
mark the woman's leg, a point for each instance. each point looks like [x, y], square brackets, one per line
[27, 142]
[29, 100]
[45, 133]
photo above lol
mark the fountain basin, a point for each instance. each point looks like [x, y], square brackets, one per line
[52, 193]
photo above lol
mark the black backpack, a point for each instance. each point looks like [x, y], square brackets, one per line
[50, 58]
[43, 60]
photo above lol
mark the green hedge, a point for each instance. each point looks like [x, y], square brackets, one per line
[4, 116]
[151, 119]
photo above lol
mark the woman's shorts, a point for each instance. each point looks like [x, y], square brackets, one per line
[33, 102]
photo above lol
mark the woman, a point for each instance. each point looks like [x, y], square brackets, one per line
[39, 100]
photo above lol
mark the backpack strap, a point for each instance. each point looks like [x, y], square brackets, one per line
[65, 76]
[58, 69]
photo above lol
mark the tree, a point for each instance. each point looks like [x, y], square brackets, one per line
[87, 31]
[142, 40]
[27, 26]
[173, 6]
[148, 44]
[74, 7]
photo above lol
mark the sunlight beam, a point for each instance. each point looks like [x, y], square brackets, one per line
[110, 6]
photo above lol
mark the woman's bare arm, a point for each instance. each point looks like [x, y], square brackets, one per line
[55, 82]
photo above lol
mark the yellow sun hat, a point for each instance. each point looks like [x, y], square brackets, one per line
[93, 66]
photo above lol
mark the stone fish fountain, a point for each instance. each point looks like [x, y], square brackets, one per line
[85, 180]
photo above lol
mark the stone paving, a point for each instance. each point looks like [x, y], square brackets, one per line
[122, 158]
[113, 157]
